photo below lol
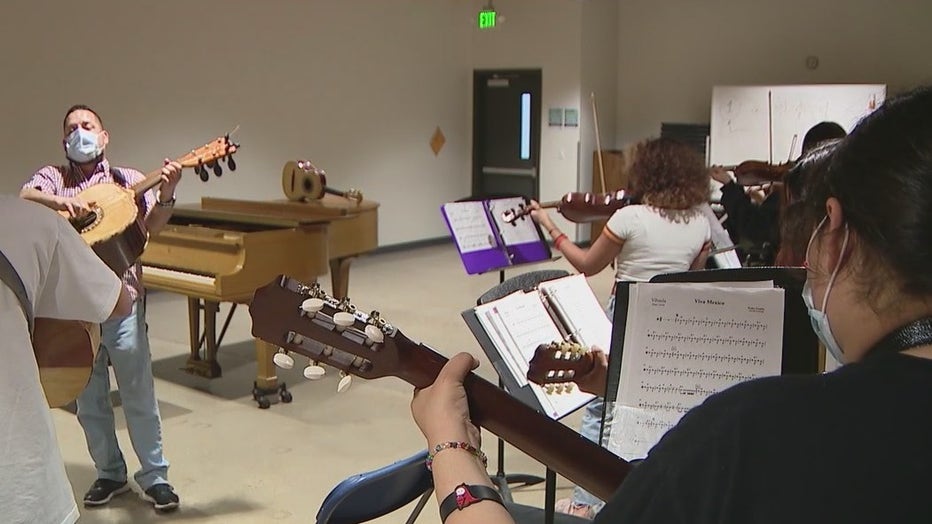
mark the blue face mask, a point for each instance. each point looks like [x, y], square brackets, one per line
[82, 146]
[818, 317]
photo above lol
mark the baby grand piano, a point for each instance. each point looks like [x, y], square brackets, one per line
[221, 250]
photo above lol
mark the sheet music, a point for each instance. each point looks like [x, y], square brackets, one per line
[684, 343]
[520, 323]
[521, 231]
[517, 324]
[576, 304]
[470, 225]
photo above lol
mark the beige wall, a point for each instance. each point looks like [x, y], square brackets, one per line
[358, 86]
[672, 53]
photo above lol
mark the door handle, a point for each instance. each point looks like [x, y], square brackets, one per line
[530, 172]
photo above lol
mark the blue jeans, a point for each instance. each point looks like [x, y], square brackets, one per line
[125, 343]
[591, 426]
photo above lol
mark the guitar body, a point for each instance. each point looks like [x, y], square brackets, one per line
[65, 351]
[115, 228]
[302, 182]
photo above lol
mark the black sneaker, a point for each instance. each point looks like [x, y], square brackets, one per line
[102, 490]
[162, 497]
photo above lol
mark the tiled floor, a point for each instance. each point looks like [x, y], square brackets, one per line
[234, 463]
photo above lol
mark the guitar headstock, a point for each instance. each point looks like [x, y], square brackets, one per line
[303, 319]
[557, 364]
[209, 156]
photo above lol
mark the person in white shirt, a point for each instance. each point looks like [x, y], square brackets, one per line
[664, 233]
[62, 278]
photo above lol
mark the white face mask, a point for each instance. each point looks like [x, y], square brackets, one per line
[82, 146]
[818, 317]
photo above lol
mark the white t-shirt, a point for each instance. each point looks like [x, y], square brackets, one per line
[655, 244]
[64, 279]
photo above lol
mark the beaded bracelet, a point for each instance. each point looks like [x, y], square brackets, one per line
[465, 446]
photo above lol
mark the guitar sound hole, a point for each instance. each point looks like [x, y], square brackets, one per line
[84, 222]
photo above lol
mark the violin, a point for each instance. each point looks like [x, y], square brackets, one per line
[578, 207]
[758, 172]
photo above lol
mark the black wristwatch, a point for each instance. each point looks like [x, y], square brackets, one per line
[465, 495]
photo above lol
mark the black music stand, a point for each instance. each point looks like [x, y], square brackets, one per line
[801, 354]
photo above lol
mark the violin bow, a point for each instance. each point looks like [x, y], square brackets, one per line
[598, 141]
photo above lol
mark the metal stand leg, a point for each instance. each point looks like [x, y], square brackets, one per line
[501, 479]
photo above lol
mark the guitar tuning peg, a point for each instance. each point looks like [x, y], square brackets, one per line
[314, 370]
[346, 305]
[343, 320]
[282, 359]
[217, 169]
[375, 318]
[311, 306]
[231, 163]
[374, 335]
[202, 173]
[346, 380]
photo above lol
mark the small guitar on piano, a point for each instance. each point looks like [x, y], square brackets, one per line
[302, 181]
[303, 319]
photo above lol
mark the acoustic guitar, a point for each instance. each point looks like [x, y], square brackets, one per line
[115, 229]
[65, 351]
[304, 182]
[303, 319]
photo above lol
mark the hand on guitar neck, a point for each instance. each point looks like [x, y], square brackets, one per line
[303, 319]
[559, 363]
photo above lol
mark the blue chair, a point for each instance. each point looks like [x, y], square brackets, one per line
[376, 493]
[369, 495]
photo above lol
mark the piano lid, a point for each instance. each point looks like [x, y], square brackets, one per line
[327, 209]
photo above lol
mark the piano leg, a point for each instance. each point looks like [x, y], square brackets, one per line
[265, 368]
[207, 366]
[339, 276]
[266, 383]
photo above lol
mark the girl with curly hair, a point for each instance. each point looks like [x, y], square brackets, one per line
[665, 233]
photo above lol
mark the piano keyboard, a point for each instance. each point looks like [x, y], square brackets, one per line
[179, 276]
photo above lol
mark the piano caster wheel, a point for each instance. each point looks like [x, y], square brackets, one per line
[263, 402]
[261, 395]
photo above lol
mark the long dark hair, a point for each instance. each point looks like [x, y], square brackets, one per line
[882, 175]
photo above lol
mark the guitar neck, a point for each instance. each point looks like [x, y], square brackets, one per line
[559, 447]
[152, 179]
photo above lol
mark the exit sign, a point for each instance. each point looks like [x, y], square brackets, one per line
[486, 19]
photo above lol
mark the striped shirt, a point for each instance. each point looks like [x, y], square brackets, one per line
[68, 182]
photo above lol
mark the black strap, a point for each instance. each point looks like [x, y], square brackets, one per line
[916, 333]
[11, 278]
[465, 495]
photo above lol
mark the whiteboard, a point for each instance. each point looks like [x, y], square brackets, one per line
[760, 122]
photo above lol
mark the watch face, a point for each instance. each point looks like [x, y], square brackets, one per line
[464, 497]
